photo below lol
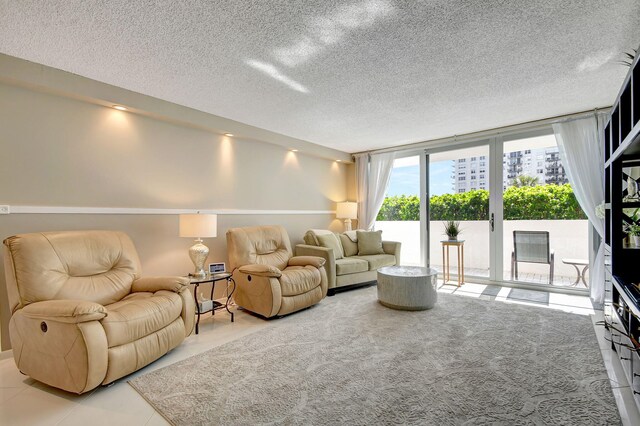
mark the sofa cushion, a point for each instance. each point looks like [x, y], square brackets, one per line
[299, 279]
[311, 236]
[377, 261]
[140, 314]
[350, 265]
[333, 242]
[349, 247]
[369, 242]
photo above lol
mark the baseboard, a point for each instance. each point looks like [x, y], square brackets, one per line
[6, 354]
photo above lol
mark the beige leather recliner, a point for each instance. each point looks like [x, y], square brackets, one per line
[269, 280]
[82, 316]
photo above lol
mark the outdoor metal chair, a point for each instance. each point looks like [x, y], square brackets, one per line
[531, 247]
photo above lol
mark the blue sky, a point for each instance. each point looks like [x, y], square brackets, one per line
[406, 180]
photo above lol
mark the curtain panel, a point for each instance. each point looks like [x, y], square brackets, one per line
[579, 143]
[373, 172]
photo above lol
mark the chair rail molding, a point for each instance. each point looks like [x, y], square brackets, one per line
[154, 211]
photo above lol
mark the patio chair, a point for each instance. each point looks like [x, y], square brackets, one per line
[531, 247]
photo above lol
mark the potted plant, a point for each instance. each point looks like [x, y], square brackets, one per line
[452, 229]
[634, 231]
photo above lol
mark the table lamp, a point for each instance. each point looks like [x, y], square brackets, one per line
[347, 210]
[198, 226]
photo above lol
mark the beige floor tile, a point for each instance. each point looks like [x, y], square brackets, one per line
[628, 411]
[473, 288]
[615, 372]
[38, 406]
[10, 376]
[118, 404]
[157, 420]
[8, 393]
[570, 300]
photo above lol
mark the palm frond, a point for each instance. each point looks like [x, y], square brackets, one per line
[628, 58]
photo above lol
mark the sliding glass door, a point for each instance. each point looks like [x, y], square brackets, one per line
[545, 232]
[400, 215]
[459, 193]
[510, 197]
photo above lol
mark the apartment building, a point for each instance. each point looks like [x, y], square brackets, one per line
[542, 163]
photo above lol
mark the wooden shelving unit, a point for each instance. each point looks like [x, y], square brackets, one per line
[622, 259]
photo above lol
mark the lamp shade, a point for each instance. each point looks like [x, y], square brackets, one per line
[347, 210]
[198, 225]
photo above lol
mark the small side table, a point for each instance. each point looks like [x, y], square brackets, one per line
[445, 260]
[213, 279]
[581, 275]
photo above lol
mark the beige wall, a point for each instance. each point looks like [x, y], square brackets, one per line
[57, 151]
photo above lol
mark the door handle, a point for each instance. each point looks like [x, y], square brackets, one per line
[492, 222]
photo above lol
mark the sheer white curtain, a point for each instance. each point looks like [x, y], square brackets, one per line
[362, 186]
[579, 143]
[372, 178]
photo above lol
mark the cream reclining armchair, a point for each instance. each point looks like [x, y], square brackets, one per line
[81, 314]
[269, 280]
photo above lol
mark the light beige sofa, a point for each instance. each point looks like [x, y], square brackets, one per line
[351, 269]
[82, 315]
[269, 280]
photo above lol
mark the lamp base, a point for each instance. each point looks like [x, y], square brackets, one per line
[347, 225]
[198, 254]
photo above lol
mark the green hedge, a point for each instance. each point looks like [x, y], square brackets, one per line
[540, 202]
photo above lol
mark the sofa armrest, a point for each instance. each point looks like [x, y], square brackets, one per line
[153, 284]
[303, 250]
[261, 270]
[67, 311]
[316, 261]
[392, 247]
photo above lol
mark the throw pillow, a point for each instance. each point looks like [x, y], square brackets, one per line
[350, 248]
[311, 237]
[332, 242]
[369, 242]
[353, 235]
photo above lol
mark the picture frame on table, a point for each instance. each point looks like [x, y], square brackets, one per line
[216, 268]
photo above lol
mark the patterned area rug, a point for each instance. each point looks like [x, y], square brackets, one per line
[350, 360]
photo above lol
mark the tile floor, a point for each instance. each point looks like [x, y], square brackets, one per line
[24, 401]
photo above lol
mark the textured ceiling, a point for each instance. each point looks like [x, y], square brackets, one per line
[351, 75]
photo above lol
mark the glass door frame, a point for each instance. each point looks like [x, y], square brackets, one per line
[490, 143]
[546, 130]
[424, 188]
[498, 201]
[495, 142]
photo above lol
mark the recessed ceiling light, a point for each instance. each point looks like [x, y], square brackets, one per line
[228, 134]
[120, 107]
[293, 150]
[338, 161]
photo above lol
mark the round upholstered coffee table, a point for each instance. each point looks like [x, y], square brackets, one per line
[409, 288]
